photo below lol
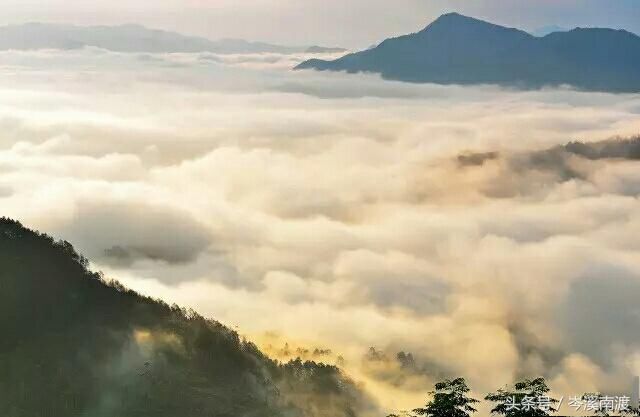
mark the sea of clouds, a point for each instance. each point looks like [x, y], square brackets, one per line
[342, 212]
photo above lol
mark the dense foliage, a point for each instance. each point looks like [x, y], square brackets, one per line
[450, 399]
[527, 398]
[518, 402]
[75, 345]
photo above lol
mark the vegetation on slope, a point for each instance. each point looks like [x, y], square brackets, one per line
[75, 345]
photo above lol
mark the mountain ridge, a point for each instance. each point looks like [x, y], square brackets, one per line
[89, 347]
[457, 49]
[130, 37]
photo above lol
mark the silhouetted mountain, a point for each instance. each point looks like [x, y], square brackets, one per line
[456, 49]
[125, 38]
[324, 50]
[545, 30]
[74, 345]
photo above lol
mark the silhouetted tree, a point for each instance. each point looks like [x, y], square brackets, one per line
[632, 412]
[450, 399]
[606, 406]
[528, 398]
[595, 400]
[401, 414]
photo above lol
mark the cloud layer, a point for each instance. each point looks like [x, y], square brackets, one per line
[344, 212]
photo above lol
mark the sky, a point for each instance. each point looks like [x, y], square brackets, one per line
[335, 211]
[352, 24]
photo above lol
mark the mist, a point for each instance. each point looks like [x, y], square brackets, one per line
[343, 212]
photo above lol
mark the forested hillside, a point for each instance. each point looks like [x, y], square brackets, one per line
[75, 345]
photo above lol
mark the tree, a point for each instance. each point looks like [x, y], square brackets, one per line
[450, 399]
[632, 412]
[528, 398]
[75, 345]
[604, 405]
[601, 408]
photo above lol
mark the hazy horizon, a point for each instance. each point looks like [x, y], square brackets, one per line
[490, 231]
[303, 211]
[356, 24]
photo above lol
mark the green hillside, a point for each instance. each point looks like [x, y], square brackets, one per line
[75, 345]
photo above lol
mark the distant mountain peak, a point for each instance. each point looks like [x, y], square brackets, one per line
[452, 15]
[128, 37]
[546, 30]
[456, 16]
[458, 23]
[459, 19]
[457, 49]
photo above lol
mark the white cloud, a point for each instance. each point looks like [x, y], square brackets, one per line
[335, 213]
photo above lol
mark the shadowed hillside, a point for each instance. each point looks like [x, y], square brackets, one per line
[73, 345]
[457, 49]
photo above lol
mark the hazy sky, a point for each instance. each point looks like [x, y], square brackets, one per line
[339, 211]
[353, 23]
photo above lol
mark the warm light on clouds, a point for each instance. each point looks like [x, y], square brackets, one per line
[337, 212]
